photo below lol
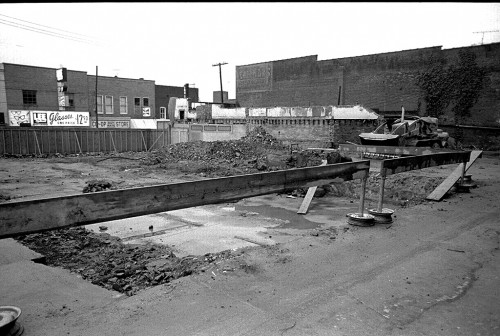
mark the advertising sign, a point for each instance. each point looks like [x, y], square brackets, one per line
[16, 117]
[61, 118]
[48, 118]
[112, 123]
[254, 78]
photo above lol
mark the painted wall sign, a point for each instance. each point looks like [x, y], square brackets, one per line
[254, 78]
[112, 123]
[16, 117]
[49, 118]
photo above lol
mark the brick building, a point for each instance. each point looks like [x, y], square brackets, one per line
[383, 82]
[42, 96]
[163, 94]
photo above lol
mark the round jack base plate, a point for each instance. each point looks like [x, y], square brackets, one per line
[381, 217]
[16, 330]
[360, 219]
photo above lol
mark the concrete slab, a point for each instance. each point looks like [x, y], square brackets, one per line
[215, 228]
[11, 251]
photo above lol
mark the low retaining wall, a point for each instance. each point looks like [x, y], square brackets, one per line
[314, 132]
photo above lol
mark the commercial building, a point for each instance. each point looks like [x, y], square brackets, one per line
[40, 96]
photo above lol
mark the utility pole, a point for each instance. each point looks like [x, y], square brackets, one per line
[220, 75]
[96, 113]
[484, 32]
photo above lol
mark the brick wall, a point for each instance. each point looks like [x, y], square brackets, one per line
[77, 85]
[311, 132]
[42, 80]
[486, 112]
[383, 82]
[164, 92]
[123, 87]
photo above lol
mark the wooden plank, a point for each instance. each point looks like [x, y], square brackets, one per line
[309, 196]
[399, 165]
[59, 212]
[438, 193]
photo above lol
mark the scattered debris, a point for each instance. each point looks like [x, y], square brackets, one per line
[97, 185]
[106, 261]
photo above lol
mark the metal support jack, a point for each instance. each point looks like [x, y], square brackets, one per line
[382, 215]
[361, 218]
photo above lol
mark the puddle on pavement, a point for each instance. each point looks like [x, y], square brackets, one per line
[291, 219]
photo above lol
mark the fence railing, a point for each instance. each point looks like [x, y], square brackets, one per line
[74, 140]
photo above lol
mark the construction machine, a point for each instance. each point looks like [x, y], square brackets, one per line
[409, 131]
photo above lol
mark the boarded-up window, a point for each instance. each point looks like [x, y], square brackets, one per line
[210, 128]
[224, 128]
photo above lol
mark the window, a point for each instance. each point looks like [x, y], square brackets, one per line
[163, 112]
[99, 104]
[29, 97]
[108, 108]
[137, 101]
[123, 105]
[145, 101]
[71, 99]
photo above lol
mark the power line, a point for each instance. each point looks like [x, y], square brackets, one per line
[37, 24]
[43, 31]
[484, 32]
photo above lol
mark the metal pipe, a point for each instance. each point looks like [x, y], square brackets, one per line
[463, 173]
[381, 195]
[362, 200]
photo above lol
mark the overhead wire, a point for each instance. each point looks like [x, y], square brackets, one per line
[37, 24]
[44, 31]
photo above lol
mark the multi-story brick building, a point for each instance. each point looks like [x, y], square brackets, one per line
[29, 93]
[40, 96]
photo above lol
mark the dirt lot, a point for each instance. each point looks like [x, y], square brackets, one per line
[132, 268]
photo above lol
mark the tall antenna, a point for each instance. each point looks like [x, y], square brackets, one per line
[484, 32]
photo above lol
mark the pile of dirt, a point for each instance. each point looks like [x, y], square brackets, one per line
[257, 151]
[105, 261]
[254, 145]
[403, 189]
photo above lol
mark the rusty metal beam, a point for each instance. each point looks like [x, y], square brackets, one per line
[17, 218]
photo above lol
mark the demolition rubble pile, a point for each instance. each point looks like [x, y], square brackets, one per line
[249, 148]
[257, 151]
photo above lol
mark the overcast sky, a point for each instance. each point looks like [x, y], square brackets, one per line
[178, 43]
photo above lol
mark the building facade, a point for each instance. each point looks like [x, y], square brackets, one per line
[40, 96]
[383, 82]
[163, 94]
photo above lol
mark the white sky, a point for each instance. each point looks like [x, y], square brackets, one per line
[178, 43]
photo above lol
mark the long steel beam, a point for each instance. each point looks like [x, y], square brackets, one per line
[24, 217]
[399, 165]
[391, 150]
